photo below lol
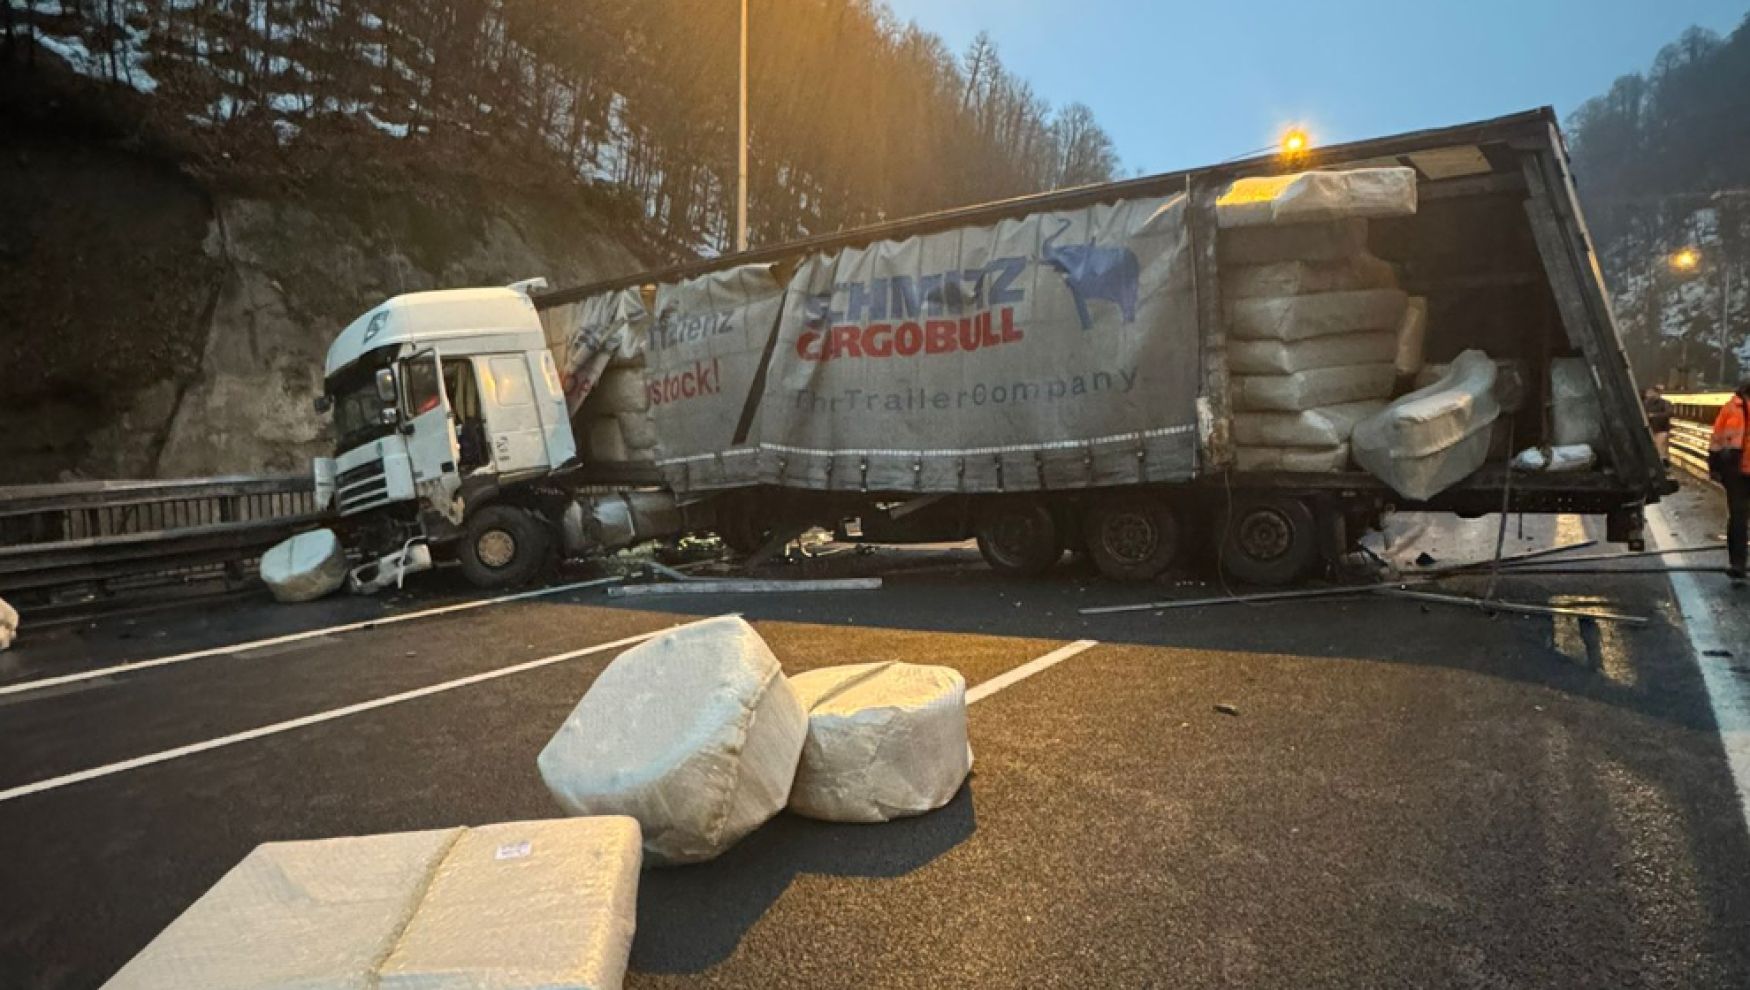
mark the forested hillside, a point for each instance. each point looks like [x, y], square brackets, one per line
[855, 116]
[1663, 163]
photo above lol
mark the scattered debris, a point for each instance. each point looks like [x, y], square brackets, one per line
[1262, 596]
[1425, 559]
[1227, 709]
[1500, 606]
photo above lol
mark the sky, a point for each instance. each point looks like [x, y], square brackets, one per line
[1180, 84]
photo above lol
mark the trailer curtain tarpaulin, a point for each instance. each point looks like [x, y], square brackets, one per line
[606, 326]
[1054, 351]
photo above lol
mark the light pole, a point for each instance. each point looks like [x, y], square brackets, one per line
[1725, 309]
[1684, 260]
[741, 146]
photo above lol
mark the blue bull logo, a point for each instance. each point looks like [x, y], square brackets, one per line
[1110, 274]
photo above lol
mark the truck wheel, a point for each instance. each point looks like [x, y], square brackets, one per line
[1268, 540]
[1018, 537]
[504, 546]
[1132, 537]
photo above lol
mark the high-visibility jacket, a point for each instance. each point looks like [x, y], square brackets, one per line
[1729, 429]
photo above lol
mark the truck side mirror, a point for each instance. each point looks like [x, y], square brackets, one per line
[386, 384]
[323, 403]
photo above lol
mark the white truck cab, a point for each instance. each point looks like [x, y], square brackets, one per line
[441, 401]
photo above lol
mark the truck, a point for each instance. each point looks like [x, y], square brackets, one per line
[1063, 371]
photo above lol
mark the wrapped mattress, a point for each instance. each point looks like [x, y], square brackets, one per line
[1295, 278]
[1322, 314]
[1433, 438]
[1310, 197]
[305, 567]
[1577, 418]
[696, 734]
[1279, 357]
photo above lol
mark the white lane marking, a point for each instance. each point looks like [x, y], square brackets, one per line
[1729, 697]
[256, 644]
[308, 720]
[1028, 669]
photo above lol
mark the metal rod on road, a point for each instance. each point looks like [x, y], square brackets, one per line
[1263, 596]
[1670, 569]
[1626, 555]
[1509, 559]
[1499, 606]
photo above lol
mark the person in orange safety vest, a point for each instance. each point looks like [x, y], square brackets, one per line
[1734, 474]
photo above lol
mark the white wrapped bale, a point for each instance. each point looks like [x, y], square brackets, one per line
[1305, 459]
[1577, 417]
[1297, 242]
[305, 567]
[312, 915]
[1312, 389]
[695, 734]
[606, 442]
[548, 905]
[1555, 460]
[621, 390]
[638, 430]
[1435, 437]
[1279, 357]
[8, 624]
[1310, 197]
[1323, 314]
[1295, 278]
[1412, 337]
[885, 740]
[1326, 428]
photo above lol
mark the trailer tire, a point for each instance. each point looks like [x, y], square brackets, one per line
[1018, 537]
[1268, 540]
[742, 527]
[504, 546]
[1132, 537]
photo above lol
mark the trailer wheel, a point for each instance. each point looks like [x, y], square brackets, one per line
[1132, 537]
[504, 546]
[1268, 540]
[1018, 537]
[742, 526]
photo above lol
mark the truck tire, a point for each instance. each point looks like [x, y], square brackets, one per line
[1268, 540]
[742, 526]
[504, 546]
[1018, 537]
[1132, 537]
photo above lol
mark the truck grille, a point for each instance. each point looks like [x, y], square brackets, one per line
[362, 487]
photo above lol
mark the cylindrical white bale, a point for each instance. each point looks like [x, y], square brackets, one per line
[1322, 314]
[305, 567]
[606, 442]
[1281, 357]
[695, 733]
[638, 429]
[1577, 417]
[885, 740]
[1313, 389]
[1295, 242]
[620, 390]
[1323, 428]
[8, 624]
[1294, 278]
[1292, 459]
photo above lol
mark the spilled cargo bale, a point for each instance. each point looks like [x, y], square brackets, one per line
[305, 567]
[8, 624]
[1412, 337]
[1576, 417]
[696, 734]
[885, 740]
[1435, 437]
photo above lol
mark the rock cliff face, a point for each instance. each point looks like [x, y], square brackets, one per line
[161, 328]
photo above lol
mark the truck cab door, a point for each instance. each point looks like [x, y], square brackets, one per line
[432, 450]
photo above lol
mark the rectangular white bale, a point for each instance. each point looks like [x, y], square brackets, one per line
[1292, 459]
[1311, 197]
[317, 915]
[1294, 278]
[1298, 242]
[1577, 418]
[638, 429]
[1277, 357]
[1326, 427]
[543, 905]
[1312, 389]
[1322, 314]
[606, 442]
[1412, 337]
[8, 624]
[620, 390]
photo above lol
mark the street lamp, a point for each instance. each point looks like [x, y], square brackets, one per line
[1295, 141]
[1686, 259]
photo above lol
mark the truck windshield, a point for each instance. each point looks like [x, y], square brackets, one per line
[357, 409]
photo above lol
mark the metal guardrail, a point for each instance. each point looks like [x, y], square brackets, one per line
[1692, 419]
[105, 537]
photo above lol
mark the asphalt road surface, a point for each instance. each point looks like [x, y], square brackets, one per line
[1404, 795]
